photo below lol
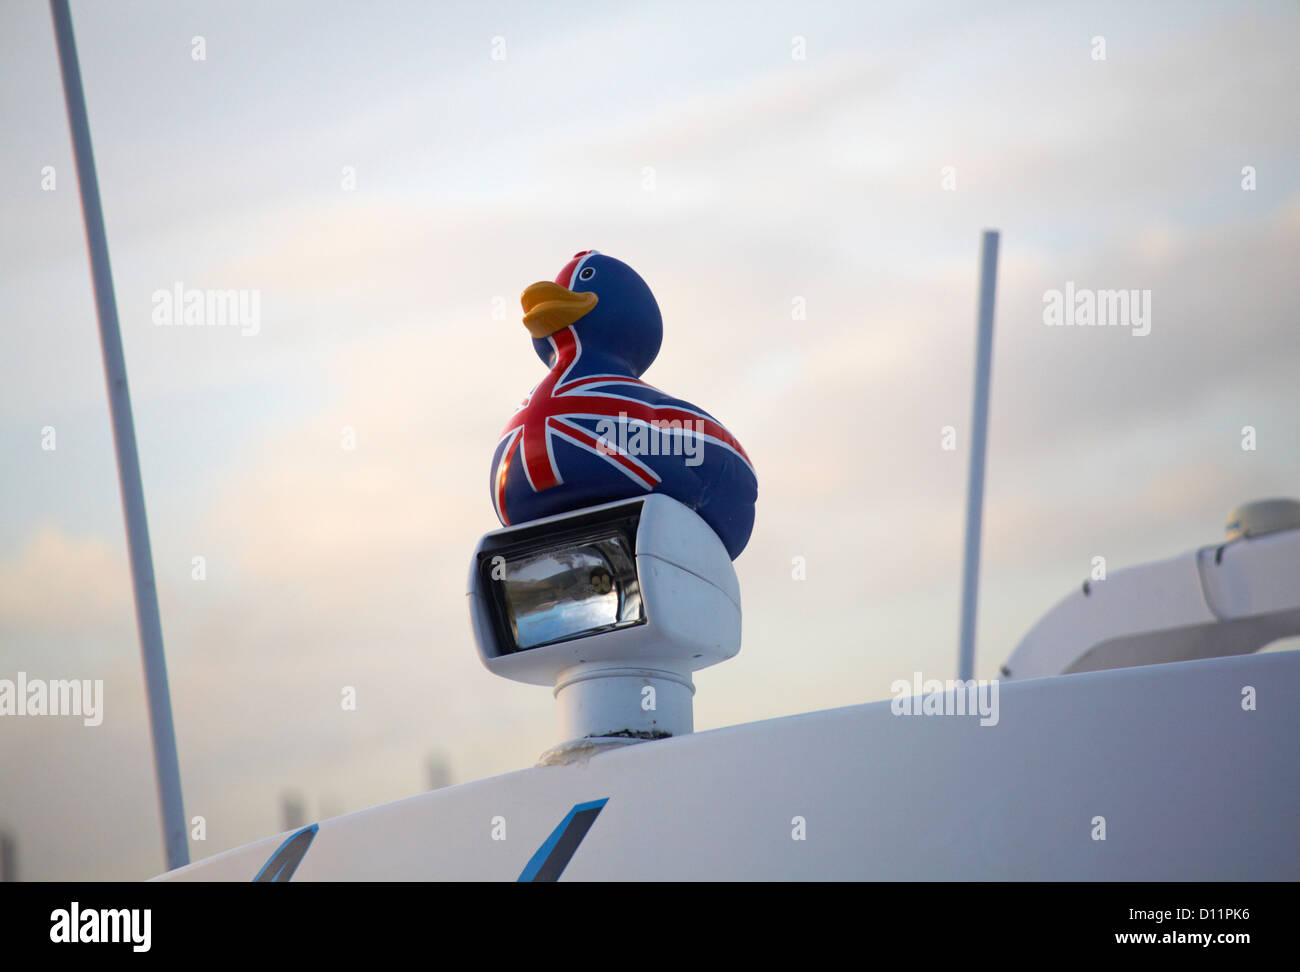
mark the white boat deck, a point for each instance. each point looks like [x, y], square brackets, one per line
[1191, 786]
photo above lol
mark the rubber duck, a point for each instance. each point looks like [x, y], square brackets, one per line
[592, 431]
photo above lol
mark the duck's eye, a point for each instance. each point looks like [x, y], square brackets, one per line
[587, 273]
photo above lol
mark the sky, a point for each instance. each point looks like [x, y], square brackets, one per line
[802, 185]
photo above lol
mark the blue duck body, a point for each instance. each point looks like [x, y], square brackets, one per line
[591, 431]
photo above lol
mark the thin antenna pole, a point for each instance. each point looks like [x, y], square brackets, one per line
[978, 443]
[166, 765]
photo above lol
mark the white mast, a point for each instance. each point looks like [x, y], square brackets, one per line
[978, 443]
[166, 764]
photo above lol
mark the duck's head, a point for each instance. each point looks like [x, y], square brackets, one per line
[606, 303]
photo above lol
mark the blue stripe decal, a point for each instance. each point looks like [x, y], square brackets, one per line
[552, 857]
[288, 856]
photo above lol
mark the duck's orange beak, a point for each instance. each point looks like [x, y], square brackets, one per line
[548, 307]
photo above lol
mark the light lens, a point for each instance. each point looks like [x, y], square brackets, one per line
[579, 589]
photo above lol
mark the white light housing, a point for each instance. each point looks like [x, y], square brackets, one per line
[614, 606]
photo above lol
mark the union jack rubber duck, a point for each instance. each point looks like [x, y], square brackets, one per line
[592, 432]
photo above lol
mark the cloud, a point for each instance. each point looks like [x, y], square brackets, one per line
[60, 585]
